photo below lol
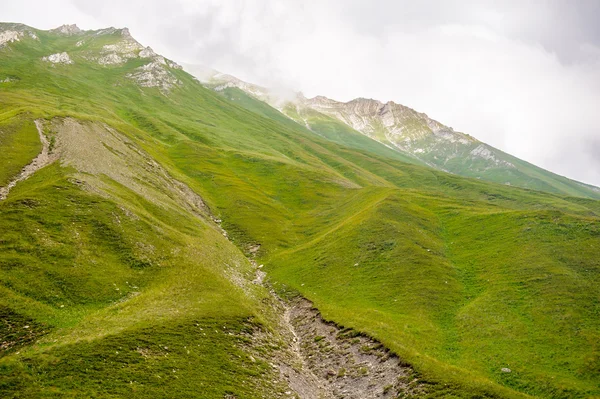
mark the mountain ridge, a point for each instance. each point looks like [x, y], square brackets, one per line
[412, 133]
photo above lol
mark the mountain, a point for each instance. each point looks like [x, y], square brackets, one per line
[161, 239]
[408, 132]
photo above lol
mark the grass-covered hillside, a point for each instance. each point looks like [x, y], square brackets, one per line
[117, 280]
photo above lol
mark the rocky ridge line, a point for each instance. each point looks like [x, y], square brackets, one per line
[158, 72]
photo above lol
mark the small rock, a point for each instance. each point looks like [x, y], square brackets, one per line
[506, 370]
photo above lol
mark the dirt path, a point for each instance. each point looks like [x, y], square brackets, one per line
[44, 158]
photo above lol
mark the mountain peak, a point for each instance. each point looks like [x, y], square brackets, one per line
[68, 30]
[125, 33]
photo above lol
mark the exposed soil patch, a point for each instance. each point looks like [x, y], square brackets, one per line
[341, 362]
[97, 151]
[315, 359]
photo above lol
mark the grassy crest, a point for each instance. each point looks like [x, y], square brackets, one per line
[126, 296]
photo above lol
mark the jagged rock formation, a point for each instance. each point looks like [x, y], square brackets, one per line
[147, 53]
[409, 131]
[10, 36]
[158, 72]
[111, 59]
[58, 58]
[10, 33]
[155, 74]
[67, 30]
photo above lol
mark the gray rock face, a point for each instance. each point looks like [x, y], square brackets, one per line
[174, 65]
[411, 132]
[10, 33]
[155, 74]
[117, 53]
[147, 53]
[10, 36]
[110, 59]
[58, 58]
[397, 122]
[67, 30]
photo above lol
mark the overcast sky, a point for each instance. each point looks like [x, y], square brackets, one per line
[523, 76]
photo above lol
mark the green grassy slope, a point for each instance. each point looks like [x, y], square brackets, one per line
[19, 144]
[523, 174]
[118, 298]
[459, 277]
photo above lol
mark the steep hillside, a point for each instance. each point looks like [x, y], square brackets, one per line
[132, 259]
[408, 132]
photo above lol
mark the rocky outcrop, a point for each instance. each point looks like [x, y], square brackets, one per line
[124, 49]
[128, 48]
[110, 59]
[484, 152]
[409, 131]
[147, 53]
[10, 36]
[173, 65]
[67, 30]
[10, 33]
[155, 74]
[58, 58]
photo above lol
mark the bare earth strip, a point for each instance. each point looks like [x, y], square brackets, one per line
[321, 360]
[44, 158]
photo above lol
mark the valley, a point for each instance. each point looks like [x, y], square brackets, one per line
[187, 242]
